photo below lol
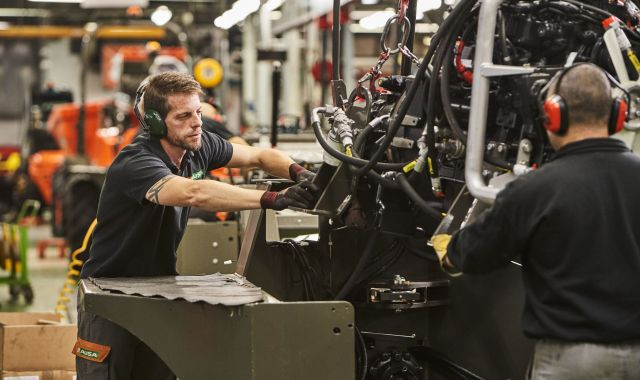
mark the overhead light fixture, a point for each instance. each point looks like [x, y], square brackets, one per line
[91, 27]
[376, 20]
[427, 5]
[239, 11]
[92, 4]
[369, 2]
[57, 1]
[272, 5]
[161, 15]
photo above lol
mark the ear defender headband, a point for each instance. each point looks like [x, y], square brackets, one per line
[151, 121]
[556, 113]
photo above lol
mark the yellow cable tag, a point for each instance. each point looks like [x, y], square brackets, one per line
[430, 166]
[634, 59]
[409, 167]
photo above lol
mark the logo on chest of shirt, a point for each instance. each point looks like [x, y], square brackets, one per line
[198, 175]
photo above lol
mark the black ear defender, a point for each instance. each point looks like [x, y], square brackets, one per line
[556, 113]
[152, 121]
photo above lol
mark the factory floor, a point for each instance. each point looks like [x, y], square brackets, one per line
[46, 276]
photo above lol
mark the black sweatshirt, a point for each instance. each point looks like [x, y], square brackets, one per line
[575, 224]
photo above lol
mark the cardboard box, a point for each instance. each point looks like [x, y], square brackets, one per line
[39, 375]
[36, 342]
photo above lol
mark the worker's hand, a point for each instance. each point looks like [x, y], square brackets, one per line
[301, 195]
[300, 174]
[440, 244]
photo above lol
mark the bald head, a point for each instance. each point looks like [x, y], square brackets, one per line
[587, 94]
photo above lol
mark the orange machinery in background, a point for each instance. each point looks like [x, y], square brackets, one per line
[101, 144]
[69, 181]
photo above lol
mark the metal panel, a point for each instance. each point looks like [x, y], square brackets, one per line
[208, 248]
[258, 341]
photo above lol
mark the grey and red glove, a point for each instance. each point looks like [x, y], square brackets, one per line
[301, 195]
[300, 174]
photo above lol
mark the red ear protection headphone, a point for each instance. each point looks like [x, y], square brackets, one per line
[556, 114]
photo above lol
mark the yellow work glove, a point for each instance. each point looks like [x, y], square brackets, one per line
[440, 244]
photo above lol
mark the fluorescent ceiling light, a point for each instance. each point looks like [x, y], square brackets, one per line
[240, 10]
[272, 5]
[427, 5]
[113, 3]
[421, 28]
[56, 1]
[376, 20]
[369, 2]
[161, 15]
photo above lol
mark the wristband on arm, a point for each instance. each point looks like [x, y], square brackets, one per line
[294, 170]
[268, 199]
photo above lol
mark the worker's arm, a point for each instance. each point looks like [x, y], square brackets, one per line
[211, 195]
[270, 160]
[492, 241]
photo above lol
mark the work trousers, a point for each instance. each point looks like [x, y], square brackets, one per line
[558, 360]
[128, 359]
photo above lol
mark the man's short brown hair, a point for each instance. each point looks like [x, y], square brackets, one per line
[163, 85]
[586, 91]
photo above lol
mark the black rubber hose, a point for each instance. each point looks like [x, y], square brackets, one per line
[373, 161]
[347, 159]
[416, 198]
[361, 137]
[366, 255]
[372, 174]
[365, 358]
[450, 115]
[446, 100]
[396, 121]
[351, 160]
[448, 35]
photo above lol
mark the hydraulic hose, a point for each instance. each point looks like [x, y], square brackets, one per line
[341, 156]
[373, 161]
[446, 35]
[450, 116]
[73, 274]
[416, 198]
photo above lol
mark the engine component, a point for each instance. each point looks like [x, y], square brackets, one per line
[396, 365]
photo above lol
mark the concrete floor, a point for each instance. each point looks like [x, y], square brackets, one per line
[46, 276]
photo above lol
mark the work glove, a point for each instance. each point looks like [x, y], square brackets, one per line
[300, 174]
[301, 195]
[440, 244]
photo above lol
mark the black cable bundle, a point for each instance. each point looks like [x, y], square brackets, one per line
[308, 274]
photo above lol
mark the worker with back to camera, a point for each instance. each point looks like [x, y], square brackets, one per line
[574, 223]
[144, 206]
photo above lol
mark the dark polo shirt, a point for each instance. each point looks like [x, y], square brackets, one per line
[135, 237]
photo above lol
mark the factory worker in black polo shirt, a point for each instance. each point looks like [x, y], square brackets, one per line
[575, 224]
[145, 203]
